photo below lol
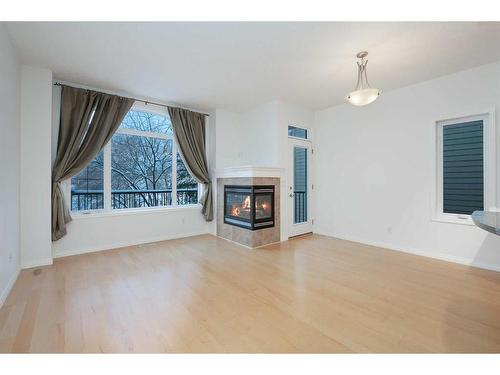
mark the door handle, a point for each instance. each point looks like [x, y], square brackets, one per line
[292, 195]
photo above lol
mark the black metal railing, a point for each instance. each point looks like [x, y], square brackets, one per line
[140, 198]
[300, 206]
[94, 200]
[88, 200]
[187, 196]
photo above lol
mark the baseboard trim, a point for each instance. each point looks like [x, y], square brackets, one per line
[300, 235]
[234, 242]
[246, 246]
[38, 263]
[10, 284]
[419, 252]
[267, 244]
[117, 245]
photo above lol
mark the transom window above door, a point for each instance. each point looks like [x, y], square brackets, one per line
[139, 168]
[296, 132]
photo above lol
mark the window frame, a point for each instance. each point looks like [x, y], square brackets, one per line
[307, 129]
[108, 210]
[489, 162]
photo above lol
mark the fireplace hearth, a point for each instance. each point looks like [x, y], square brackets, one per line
[249, 206]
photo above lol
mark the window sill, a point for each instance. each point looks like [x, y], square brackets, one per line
[133, 211]
[452, 219]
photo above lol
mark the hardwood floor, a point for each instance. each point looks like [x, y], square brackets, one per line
[204, 294]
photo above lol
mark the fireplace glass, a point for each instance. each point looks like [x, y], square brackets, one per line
[263, 205]
[250, 207]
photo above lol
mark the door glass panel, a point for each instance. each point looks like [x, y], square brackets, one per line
[300, 184]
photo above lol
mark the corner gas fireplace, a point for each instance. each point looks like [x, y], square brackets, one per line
[250, 207]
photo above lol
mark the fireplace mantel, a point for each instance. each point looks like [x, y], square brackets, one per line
[249, 171]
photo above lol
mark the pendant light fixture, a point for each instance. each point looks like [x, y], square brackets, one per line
[363, 94]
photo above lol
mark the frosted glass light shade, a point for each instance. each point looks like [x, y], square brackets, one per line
[363, 97]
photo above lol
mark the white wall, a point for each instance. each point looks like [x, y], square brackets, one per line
[376, 168]
[259, 137]
[9, 164]
[36, 127]
[228, 135]
[289, 114]
[87, 234]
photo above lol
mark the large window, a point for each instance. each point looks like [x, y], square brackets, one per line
[140, 168]
[464, 166]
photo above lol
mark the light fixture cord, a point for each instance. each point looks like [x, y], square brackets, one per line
[366, 75]
[362, 76]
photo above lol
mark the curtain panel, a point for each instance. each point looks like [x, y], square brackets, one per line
[189, 133]
[88, 121]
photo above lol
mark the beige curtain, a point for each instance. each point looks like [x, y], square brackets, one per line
[88, 121]
[189, 132]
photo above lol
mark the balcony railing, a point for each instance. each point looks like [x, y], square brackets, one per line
[300, 207]
[94, 199]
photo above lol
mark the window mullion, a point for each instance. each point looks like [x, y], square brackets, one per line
[107, 177]
[174, 173]
[141, 133]
[440, 186]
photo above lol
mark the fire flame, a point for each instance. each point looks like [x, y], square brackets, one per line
[236, 210]
[246, 204]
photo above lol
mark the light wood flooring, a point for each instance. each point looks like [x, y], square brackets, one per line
[204, 294]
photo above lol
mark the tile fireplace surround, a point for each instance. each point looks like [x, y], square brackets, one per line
[245, 176]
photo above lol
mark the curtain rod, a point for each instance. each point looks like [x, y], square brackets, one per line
[137, 100]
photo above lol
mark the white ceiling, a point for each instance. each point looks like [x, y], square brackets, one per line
[236, 66]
